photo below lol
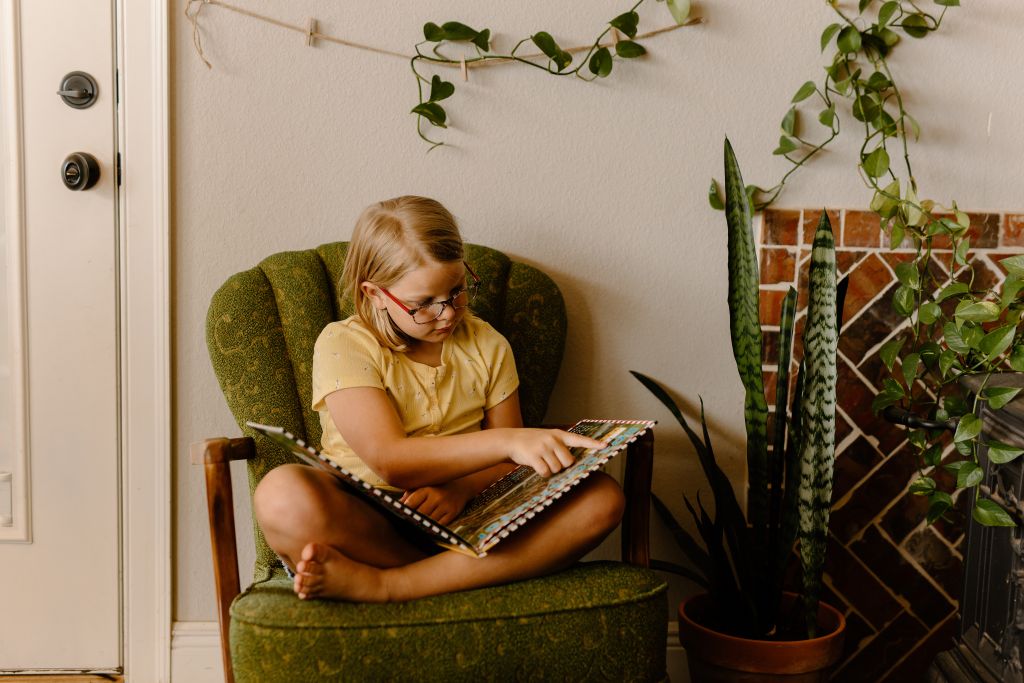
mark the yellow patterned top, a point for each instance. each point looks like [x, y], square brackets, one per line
[477, 372]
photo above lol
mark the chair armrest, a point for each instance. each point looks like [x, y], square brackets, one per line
[636, 520]
[216, 456]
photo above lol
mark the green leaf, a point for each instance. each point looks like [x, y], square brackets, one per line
[626, 23]
[1001, 453]
[863, 5]
[896, 236]
[972, 334]
[988, 513]
[960, 253]
[433, 32]
[786, 145]
[922, 486]
[715, 197]
[805, 91]
[828, 116]
[849, 40]
[910, 364]
[627, 49]
[876, 163]
[947, 359]
[601, 62]
[908, 274]
[938, 503]
[1014, 265]
[929, 353]
[997, 341]
[915, 127]
[890, 350]
[547, 45]
[878, 81]
[789, 122]
[453, 30]
[885, 399]
[929, 312]
[483, 40]
[1012, 286]
[826, 35]
[431, 112]
[865, 108]
[954, 340]
[998, 397]
[1017, 358]
[977, 311]
[948, 3]
[887, 12]
[680, 10]
[915, 26]
[440, 90]
[933, 455]
[968, 428]
[952, 290]
[903, 301]
[968, 474]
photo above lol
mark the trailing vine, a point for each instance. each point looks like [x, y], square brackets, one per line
[598, 59]
[956, 328]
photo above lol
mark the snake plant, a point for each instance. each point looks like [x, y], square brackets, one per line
[744, 557]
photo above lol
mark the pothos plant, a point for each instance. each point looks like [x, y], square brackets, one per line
[597, 60]
[956, 326]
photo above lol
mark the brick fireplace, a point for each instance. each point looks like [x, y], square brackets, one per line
[896, 579]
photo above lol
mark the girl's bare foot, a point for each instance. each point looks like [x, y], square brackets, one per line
[324, 572]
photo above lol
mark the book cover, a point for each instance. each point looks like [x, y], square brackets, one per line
[497, 511]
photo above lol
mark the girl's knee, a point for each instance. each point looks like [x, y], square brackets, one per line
[606, 502]
[287, 496]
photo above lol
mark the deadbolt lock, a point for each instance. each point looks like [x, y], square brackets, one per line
[80, 171]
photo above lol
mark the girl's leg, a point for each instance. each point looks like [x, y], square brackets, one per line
[553, 541]
[296, 504]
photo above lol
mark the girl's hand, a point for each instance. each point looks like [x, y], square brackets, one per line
[441, 503]
[547, 450]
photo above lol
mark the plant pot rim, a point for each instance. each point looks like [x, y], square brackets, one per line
[762, 656]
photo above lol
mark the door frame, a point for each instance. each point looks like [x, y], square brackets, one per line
[143, 54]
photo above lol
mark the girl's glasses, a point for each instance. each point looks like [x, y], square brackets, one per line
[428, 313]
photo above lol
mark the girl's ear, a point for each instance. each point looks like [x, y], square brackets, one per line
[372, 291]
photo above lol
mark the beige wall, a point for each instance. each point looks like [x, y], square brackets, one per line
[279, 147]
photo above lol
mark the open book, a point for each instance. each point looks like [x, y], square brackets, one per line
[502, 507]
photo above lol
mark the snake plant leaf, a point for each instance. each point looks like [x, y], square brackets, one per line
[693, 550]
[674, 568]
[818, 403]
[745, 330]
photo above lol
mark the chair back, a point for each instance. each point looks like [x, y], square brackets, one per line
[262, 324]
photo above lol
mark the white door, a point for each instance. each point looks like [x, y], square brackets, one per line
[59, 398]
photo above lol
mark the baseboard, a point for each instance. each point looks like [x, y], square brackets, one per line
[195, 653]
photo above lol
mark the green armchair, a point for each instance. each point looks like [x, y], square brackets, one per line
[594, 621]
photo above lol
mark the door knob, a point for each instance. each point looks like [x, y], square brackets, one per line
[80, 171]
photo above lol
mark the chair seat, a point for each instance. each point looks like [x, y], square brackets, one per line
[557, 627]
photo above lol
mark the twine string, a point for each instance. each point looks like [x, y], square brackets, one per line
[194, 7]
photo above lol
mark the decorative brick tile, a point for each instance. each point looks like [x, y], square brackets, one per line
[903, 517]
[771, 306]
[1013, 230]
[846, 260]
[810, 223]
[984, 230]
[858, 586]
[843, 428]
[858, 633]
[781, 227]
[872, 496]
[915, 665]
[769, 347]
[871, 326]
[877, 656]
[853, 464]
[867, 280]
[777, 265]
[996, 258]
[861, 229]
[885, 559]
[984, 276]
[935, 557]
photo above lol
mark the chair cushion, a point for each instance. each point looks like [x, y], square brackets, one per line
[557, 627]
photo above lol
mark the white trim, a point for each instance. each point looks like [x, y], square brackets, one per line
[143, 54]
[12, 198]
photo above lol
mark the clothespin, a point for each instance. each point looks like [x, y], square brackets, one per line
[465, 69]
[310, 31]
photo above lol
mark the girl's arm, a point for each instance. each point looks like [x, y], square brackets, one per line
[370, 425]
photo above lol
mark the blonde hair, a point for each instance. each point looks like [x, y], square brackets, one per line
[390, 239]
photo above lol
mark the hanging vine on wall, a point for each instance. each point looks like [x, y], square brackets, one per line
[598, 57]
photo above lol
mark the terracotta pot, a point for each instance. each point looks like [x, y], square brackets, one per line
[716, 657]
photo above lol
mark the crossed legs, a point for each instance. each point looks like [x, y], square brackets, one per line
[343, 548]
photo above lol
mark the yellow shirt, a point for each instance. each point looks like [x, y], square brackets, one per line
[477, 372]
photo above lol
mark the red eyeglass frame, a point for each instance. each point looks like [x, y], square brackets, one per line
[450, 301]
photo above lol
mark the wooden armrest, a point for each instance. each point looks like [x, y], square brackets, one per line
[216, 456]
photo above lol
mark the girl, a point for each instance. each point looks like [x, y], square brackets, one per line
[416, 393]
